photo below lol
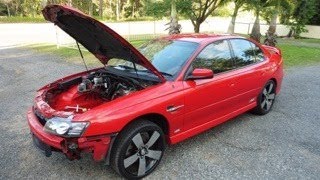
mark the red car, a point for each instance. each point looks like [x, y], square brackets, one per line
[140, 100]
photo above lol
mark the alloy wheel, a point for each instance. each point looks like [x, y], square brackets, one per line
[143, 153]
[268, 96]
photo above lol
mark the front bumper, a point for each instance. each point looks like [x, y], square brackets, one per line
[71, 147]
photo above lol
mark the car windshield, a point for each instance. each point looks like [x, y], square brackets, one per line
[166, 56]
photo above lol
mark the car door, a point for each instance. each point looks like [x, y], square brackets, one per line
[207, 100]
[249, 61]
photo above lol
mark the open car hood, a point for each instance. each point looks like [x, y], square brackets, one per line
[98, 38]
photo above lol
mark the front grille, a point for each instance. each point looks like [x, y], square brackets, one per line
[40, 117]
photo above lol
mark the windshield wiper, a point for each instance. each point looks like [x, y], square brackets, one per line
[163, 73]
[125, 67]
[166, 74]
[146, 70]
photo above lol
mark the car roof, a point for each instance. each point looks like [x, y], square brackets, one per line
[199, 38]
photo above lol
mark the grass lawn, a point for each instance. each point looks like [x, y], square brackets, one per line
[19, 19]
[301, 52]
[299, 55]
[72, 54]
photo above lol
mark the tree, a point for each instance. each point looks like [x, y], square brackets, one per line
[7, 4]
[278, 6]
[174, 26]
[257, 6]
[304, 11]
[315, 20]
[199, 10]
[238, 4]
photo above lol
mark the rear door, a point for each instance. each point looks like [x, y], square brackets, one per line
[250, 71]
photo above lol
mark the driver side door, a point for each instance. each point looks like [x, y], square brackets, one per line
[208, 101]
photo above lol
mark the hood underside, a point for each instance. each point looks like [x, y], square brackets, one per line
[98, 38]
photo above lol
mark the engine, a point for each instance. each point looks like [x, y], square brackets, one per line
[84, 93]
[108, 86]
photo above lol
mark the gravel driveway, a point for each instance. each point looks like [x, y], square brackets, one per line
[284, 144]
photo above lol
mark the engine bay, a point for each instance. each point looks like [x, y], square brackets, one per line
[84, 93]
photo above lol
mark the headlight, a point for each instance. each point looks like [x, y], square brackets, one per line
[64, 127]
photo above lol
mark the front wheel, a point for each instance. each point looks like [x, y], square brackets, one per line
[266, 99]
[138, 150]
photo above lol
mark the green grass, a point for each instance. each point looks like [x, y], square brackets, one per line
[19, 19]
[301, 52]
[72, 55]
[299, 56]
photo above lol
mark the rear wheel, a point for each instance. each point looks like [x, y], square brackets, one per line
[266, 99]
[138, 149]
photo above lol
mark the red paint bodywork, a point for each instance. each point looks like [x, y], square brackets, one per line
[203, 103]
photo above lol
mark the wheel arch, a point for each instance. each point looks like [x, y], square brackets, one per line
[156, 118]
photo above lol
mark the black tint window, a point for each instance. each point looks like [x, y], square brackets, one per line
[258, 52]
[243, 52]
[216, 57]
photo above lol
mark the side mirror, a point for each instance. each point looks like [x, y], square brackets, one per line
[201, 74]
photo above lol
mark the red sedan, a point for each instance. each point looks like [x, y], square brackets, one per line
[140, 100]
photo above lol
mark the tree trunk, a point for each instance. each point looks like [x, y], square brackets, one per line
[196, 26]
[8, 10]
[132, 13]
[101, 8]
[118, 10]
[175, 27]
[90, 7]
[233, 20]
[273, 24]
[255, 34]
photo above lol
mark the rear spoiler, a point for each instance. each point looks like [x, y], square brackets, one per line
[273, 50]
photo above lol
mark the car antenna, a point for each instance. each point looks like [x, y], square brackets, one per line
[84, 62]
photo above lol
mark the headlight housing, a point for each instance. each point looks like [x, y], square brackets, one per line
[64, 127]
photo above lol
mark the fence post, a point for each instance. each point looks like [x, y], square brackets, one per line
[249, 28]
[154, 27]
[129, 31]
[57, 36]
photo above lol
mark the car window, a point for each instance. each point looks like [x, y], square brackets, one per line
[258, 52]
[244, 53]
[216, 57]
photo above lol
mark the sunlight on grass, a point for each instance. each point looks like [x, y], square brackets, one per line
[296, 56]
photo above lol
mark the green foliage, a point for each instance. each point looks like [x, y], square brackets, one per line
[223, 11]
[160, 9]
[315, 20]
[304, 11]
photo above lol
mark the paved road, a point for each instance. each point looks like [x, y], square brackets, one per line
[284, 144]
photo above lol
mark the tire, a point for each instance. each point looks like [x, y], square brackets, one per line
[138, 149]
[266, 99]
